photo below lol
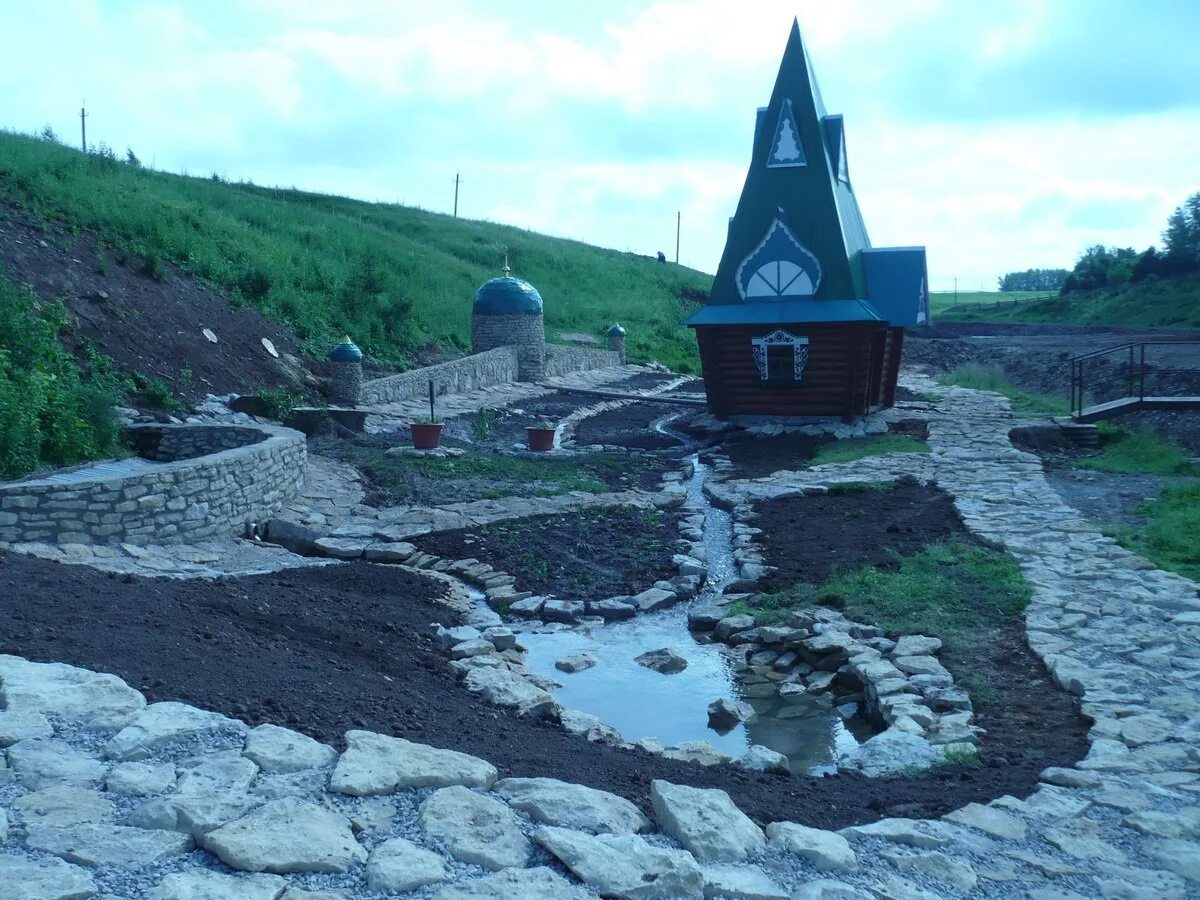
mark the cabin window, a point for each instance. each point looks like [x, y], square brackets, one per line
[780, 356]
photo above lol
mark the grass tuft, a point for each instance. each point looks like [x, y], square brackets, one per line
[860, 448]
[992, 378]
[1168, 539]
[1140, 452]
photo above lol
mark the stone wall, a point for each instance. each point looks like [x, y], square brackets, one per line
[188, 498]
[455, 377]
[524, 332]
[564, 360]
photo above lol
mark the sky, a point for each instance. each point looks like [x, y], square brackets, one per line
[1002, 135]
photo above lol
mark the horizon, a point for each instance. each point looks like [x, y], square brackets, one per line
[599, 125]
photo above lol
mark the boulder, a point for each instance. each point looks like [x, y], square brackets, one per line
[448, 637]
[732, 625]
[538, 883]
[705, 821]
[379, 764]
[916, 645]
[613, 609]
[740, 882]
[576, 662]
[562, 610]
[762, 759]
[277, 749]
[919, 665]
[288, 835]
[77, 695]
[654, 599]
[102, 844]
[299, 539]
[162, 724]
[467, 649]
[137, 779]
[725, 714]
[502, 638]
[44, 762]
[475, 828]
[508, 689]
[624, 865]
[205, 884]
[891, 752]
[23, 878]
[62, 804]
[529, 608]
[566, 805]
[826, 850]
[665, 660]
[399, 865]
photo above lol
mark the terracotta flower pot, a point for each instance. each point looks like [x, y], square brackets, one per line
[426, 436]
[540, 439]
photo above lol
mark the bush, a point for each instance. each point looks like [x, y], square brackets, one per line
[51, 411]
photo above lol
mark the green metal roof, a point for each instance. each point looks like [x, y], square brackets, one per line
[898, 283]
[811, 312]
[507, 296]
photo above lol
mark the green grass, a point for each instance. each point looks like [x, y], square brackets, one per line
[392, 277]
[992, 378]
[942, 303]
[1156, 302]
[1169, 537]
[1140, 452]
[859, 448]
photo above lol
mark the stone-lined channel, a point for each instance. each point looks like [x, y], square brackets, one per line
[673, 708]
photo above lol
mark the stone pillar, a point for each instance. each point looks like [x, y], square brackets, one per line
[616, 341]
[347, 373]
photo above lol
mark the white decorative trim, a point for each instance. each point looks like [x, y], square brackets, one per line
[786, 117]
[808, 281]
[778, 337]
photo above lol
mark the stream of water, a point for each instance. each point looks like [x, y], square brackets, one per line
[643, 703]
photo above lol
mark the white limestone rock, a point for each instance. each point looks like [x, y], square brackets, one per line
[762, 759]
[697, 751]
[215, 774]
[63, 804]
[277, 749]
[102, 844]
[138, 779]
[205, 884]
[539, 883]
[161, 724]
[22, 878]
[826, 850]
[938, 866]
[78, 695]
[475, 828]
[379, 764]
[740, 882]
[916, 645]
[910, 832]
[624, 865]
[559, 803]
[828, 889]
[991, 821]
[3, 827]
[891, 752]
[288, 835]
[23, 724]
[576, 662]
[42, 762]
[724, 714]
[399, 865]
[705, 821]
[508, 689]
[195, 815]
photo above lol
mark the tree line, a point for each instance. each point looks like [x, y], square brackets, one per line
[1101, 266]
[1034, 280]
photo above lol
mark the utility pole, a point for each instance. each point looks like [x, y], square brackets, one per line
[83, 127]
[678, 223]
[456, 195]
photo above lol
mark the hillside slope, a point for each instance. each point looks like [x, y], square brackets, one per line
[396, 279]
[1154, 303]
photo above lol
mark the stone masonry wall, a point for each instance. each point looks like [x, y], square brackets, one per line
[161, 444]
[208, 496]
[458, 376]
[564, 360]
[526, 333]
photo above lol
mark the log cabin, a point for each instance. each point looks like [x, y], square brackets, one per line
[805, 319]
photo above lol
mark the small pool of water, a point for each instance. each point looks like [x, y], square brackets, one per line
[643, 703]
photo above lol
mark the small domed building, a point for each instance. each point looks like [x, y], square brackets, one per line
[508, 313]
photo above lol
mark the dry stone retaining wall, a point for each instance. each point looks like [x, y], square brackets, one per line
[565, 360]
[250, 476]
[458, 376]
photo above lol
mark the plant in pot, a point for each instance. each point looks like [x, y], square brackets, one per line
[426, 433]
[540, 436]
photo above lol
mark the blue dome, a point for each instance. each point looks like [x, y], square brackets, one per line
[346, 351]
[616, 331]
[507, 297]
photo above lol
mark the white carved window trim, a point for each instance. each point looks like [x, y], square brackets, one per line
[779, 337]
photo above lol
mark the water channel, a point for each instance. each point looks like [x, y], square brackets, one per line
[643, 703]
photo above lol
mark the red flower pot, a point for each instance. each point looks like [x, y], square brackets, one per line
[540, 439]
[426, 436]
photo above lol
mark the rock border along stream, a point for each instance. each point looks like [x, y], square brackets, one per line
[103, 795]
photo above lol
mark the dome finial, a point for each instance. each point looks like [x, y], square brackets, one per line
[506, 270]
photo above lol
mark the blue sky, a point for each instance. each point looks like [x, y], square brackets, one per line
[1002, 135]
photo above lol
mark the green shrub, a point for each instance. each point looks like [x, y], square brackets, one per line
[51, 411]
[1140, 452]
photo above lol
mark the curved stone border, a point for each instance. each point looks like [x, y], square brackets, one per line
[187, 499]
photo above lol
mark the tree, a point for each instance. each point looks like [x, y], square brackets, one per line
[1099, 267]
[1181, 240]
[1034, 280]
[131, 158]
[47, 134]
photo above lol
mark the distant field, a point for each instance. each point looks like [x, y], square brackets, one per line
[944, 302]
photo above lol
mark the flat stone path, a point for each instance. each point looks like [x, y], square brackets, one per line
[103, 795]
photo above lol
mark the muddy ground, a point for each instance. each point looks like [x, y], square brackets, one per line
[1029, 723]
[589, 555]
[629, 427]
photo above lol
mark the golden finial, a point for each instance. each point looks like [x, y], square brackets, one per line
[506, 270]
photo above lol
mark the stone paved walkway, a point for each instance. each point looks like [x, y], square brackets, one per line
[101, 795]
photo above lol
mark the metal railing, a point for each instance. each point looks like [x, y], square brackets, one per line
[1128, 383]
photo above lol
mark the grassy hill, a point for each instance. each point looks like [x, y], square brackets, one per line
[942, 303]
[394, 278]
[1154, 303]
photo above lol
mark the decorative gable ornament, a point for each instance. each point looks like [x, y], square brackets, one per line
[779, 268]
[781, 338]
[786, 149]
[843, 167]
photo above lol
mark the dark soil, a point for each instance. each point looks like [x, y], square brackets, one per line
[757, 457]
[643, 381]
[810, 538]
[331, 649]
[147, 326]
[588, 555]
[508, 423]
[629, 427]
[1030, 723]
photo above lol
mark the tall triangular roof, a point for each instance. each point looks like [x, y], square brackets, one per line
[797, 205]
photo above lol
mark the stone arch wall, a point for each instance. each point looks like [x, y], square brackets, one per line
[192, 482]
[525, 332]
